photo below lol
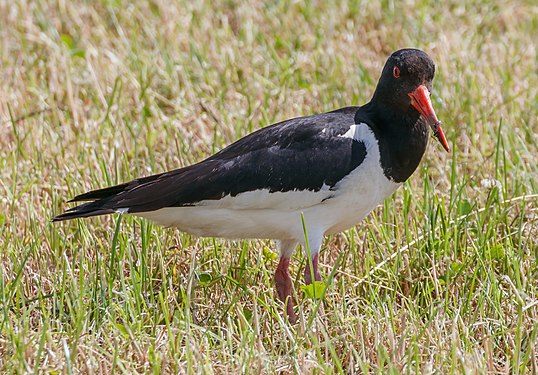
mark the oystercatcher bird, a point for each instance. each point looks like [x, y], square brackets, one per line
[329, 169]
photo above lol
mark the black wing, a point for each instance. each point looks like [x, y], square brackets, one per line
[304, 153]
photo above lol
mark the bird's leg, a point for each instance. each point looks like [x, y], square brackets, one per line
[314, 271]
[283, 287]
[311, 268]
[312, 252]
[282, 277]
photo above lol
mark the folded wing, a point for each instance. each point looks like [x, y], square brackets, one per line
[306, 154]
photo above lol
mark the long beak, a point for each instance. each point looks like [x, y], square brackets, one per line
[420, 99]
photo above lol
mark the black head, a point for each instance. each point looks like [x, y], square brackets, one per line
[405, 85]
[404, 71]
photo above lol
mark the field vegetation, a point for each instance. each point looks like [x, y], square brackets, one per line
[442, 278]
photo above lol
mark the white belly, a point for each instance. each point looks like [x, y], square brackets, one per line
[331, 216]
[277, 215]
[262, 214]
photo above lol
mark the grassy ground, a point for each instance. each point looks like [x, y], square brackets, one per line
[442, 278]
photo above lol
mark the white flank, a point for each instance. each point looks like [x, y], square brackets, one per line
[261, 214]
[264, 199]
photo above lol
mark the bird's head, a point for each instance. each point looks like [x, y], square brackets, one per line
[406, 81]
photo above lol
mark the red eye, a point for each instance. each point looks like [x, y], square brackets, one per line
[396, 72]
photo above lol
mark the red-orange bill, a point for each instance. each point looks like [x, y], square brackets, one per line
[420, 99]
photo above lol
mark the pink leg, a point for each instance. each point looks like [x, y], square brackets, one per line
[308, 274]
[283, 287]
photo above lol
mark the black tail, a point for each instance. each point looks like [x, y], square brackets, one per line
[102, 203]
[104, 193]
[84, 210]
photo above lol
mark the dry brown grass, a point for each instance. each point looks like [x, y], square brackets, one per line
[94, 93]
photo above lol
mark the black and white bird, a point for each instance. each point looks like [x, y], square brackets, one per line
[333, 168]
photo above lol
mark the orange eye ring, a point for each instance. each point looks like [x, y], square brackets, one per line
[396, 72]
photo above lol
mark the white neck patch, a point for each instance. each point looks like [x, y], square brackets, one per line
[360, 132]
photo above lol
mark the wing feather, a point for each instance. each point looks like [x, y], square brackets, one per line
[306, 154]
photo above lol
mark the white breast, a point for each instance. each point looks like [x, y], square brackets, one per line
[360, 191]
[277, 215]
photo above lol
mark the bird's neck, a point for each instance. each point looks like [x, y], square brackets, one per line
[402, 137]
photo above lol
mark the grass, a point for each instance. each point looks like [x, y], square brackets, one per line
[442, 278]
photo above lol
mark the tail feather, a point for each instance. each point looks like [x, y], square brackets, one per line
[107, 200]
[100, 193]
[102, 202]
[85, 210]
